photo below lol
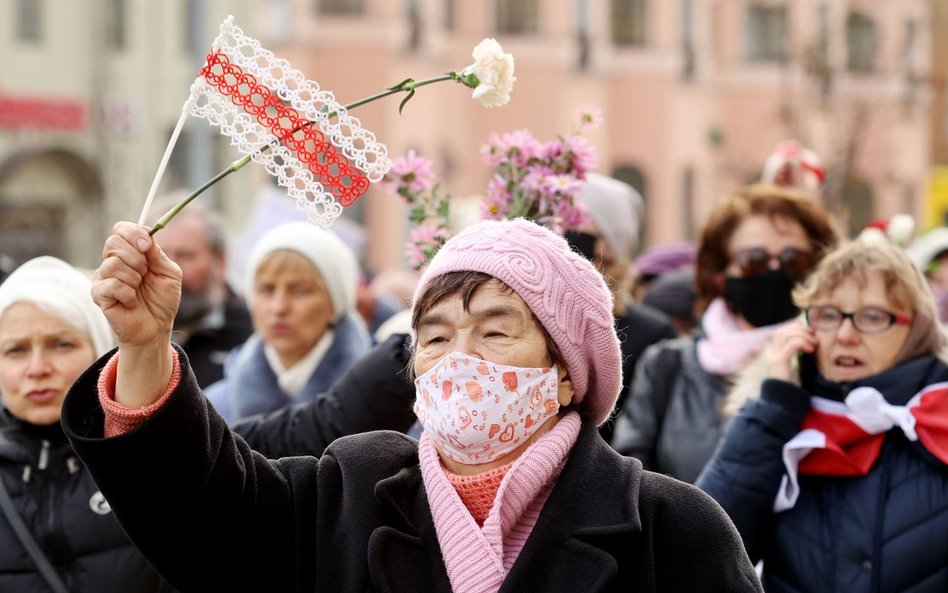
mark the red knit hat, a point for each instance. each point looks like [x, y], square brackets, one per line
[563, 290]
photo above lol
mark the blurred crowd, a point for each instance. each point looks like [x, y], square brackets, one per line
[794, 375]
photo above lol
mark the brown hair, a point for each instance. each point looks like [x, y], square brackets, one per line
[776, 203]
[466, 284]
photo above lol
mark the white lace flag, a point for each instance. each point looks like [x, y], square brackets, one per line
[317, 151]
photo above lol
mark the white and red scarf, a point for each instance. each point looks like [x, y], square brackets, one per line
[844, 438]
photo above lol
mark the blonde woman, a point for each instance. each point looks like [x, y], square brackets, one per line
[837, 474]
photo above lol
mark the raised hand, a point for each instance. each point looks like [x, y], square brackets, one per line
[788, 342]
[137, 286]
[138, 289]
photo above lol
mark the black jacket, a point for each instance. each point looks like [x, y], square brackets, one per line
[374, 394]
[672, 421]
[885, 532]
[639, 328]
[208, 347]
[68, 517]
[215, 516]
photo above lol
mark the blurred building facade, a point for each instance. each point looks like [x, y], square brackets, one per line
[89, 93]
[695, 94]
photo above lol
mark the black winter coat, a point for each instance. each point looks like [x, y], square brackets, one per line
[672, 420]
[639, 328]
[215, 516]
[68, 517]
[374, 394]
[207, 347]
[885, 532]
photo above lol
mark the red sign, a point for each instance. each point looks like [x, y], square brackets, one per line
[42, 114]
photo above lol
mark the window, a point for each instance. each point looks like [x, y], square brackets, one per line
[340, 7]
[861, 43]
[766, 34]
[634, 177]
[688, 201]
[687, 40]
[192, 18]
[415, 25]
[28, 20]
[448, 21]
[115, 24]
[629, 22]
[516, 17]
[858, 203]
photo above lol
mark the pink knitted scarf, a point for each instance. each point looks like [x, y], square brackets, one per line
[478, 558]
[727, 348]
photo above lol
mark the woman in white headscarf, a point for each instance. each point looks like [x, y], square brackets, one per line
[300, 286]
[50, 331]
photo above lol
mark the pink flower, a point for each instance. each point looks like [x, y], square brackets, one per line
[573, 215]
[519, 146]
[409, 173]
[583, 154]
[589, 118]
[563, 185]
[423, 242]
[539, 181]
[497, 201]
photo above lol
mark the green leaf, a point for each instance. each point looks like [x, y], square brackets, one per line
[444, 209]
[401, 105]
[417, 215]
[400, 85]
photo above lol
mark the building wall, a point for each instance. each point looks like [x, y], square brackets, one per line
[689, 111]
[62, 186]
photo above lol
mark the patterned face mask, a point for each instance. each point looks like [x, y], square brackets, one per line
[479, 411]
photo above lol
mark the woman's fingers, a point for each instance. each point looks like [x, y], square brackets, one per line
[786, 344]
[136, 286]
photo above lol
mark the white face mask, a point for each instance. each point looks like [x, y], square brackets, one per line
[479, 411]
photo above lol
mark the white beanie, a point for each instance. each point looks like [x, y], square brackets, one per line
[333, 259]
[64, 291]
[927, 247]
[615, 207]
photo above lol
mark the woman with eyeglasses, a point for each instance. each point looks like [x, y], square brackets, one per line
[837, 474]
[754, 248]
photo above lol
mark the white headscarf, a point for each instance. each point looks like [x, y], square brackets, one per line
[616, 208]
[333, 259]
[64, 291]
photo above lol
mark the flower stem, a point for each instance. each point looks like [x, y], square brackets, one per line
[407, 86]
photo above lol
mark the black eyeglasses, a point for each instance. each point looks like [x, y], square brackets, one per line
[794, 262]
[868, 320]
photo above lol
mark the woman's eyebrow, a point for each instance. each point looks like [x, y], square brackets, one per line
[479, 315]
[496, 311]
[432, 319]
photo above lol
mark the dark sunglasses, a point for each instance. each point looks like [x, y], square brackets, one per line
[794, 262]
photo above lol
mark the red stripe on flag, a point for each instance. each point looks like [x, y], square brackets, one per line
[331, 168]
[850, 451]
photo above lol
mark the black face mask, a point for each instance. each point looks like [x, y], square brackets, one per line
[761, 300]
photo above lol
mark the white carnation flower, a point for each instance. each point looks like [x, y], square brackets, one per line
[494, 73]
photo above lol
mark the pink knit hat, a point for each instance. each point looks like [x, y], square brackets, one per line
[562, 289]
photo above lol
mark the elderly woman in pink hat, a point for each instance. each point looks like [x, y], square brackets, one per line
[510, 488]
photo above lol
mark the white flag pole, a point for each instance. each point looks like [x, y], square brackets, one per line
[161, 167]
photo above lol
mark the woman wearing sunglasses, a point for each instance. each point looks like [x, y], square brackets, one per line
[754, 248]
[837, 475]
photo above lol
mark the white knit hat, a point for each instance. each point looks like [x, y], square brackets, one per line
[616, 209]
[929, 246]
[333, 259]
[64, 291]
